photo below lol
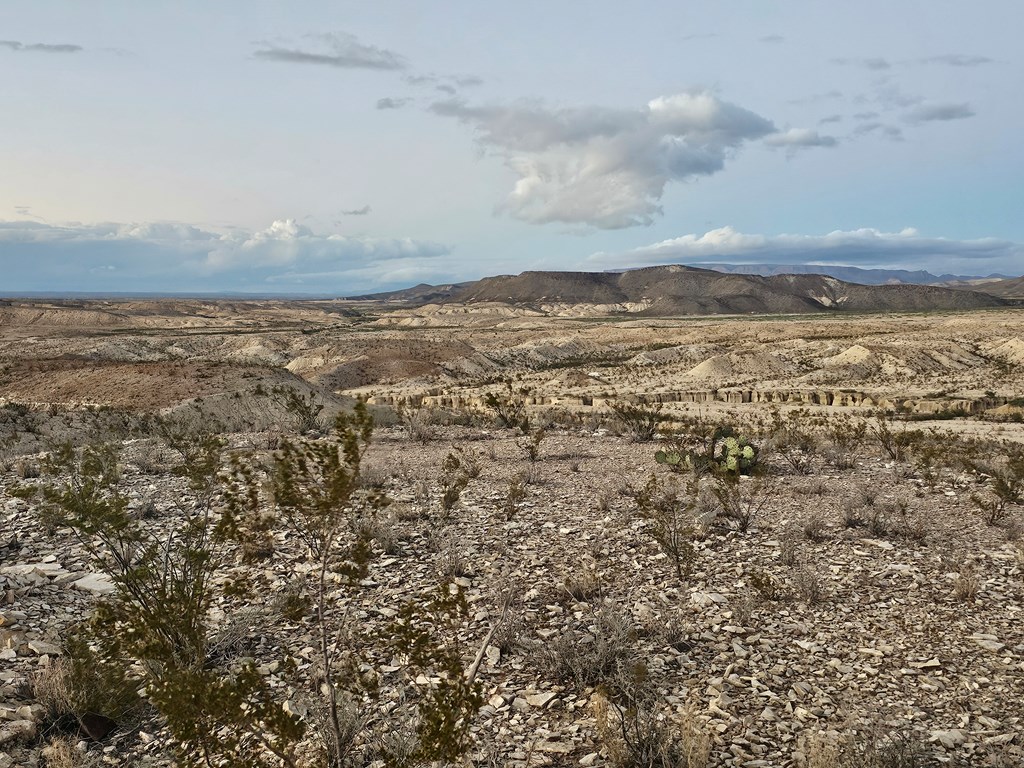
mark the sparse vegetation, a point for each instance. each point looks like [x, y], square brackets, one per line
[334, 598]
[640, 421]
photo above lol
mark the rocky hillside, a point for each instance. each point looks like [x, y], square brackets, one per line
[678, 290]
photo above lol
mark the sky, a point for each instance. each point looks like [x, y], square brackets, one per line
[338, 147]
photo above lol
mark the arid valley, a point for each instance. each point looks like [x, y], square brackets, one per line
[547, 496]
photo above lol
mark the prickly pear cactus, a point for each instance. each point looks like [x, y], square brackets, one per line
[736, 456]
[672, 458]
[727, 454]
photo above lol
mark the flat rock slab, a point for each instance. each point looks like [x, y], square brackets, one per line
[96, 583]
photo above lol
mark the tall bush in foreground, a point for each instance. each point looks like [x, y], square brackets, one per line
[159, 630]
[154, 630]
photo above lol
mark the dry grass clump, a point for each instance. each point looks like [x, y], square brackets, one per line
[62, 752]
[26, 469]
[640, 736]
[582, 585]
[871, 747]
[597, 655]
[814, 527]
[967, 584]
[808, 585]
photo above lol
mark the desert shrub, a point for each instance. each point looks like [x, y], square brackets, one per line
[845, 436]
[808, 585]
[636, 734]
[373, 477]
[872, 746]
[83, 691]
[669, 512]
[555, 417]
[741, 500]
[418, 423]
[602, 660]
[384, 416]
[515, 496]
[154, 630]
[789, 549]
[743, 608]
[62, 752]
[895, 442]
[582, 585]
[447, 703]
[766, 586]
[159, 630]
[814, 526]
[449, 561]
[531, 444]
[794, 443]
[639, 421]
[26, 469]
[1004, 477]
[304, 409]
[453, 478]
[966, 584]
[509, 408]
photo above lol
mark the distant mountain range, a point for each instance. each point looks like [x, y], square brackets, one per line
[679, 290]
[849, 274]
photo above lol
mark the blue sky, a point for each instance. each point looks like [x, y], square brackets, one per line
[350, 146]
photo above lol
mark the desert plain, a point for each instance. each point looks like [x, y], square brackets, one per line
[855, 598]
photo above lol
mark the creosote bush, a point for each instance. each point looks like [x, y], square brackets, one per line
[640, 421]
[670, 512]
[509, 408]
[158, 631]
[1003, 476]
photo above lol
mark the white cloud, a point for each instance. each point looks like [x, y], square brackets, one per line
[173, 256]
[796, 138]
[906, 249]
[607, 167]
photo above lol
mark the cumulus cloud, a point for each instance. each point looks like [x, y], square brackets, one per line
[338, 49]
[798, 138]
[357, 211]
[926, 113]
[15, 45]
[182, 257]
[606, 167]
[906, 249]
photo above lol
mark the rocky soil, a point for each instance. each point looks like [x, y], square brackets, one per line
[918, 628]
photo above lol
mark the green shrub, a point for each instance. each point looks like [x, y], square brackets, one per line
[669, 512]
